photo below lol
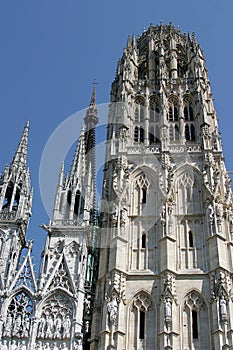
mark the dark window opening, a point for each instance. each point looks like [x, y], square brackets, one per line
[138, 134]
[69, 197]
[190, 239]
[142, 325]
[144, 195]
[194, 324]
[143, 240]
[77, 201]
[173, 113]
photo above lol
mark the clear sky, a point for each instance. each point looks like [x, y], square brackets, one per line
[52, 50]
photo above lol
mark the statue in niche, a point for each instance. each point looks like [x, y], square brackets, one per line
[8, 326]
[49, 327]
[25, 326]
[112, 307]
[17, 326]
[210, 213]
[58, 326]
[168, 310]
[219, 210]
[66, 327]
[223, 307]
[163, 215]
[47, 347]
[41, 329]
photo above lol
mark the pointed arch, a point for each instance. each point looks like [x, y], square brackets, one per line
[55, 314]
[195, 321]
[141, 314]
[17, 318]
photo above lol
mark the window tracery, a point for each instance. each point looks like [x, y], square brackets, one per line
[18, 318]
[56, 318]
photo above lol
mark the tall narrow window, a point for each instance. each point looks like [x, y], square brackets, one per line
[194, 324]
[143, 240]
[142, 325]
[190, 239]
[144, 195]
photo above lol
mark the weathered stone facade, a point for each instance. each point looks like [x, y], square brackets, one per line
[165, 229]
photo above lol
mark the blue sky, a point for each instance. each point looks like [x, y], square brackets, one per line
[52, 50]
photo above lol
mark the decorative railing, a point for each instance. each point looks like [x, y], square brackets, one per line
[67, 222]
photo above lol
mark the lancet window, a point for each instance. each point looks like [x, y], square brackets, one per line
[140, 194]
[195, 322]
[139, 113]
[141, 316]
[189, 119]
[154, 120]
[173, 119]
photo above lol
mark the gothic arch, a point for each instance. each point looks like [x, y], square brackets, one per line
[56, 314]
[140, 314]
[17, 315]
[195, 321]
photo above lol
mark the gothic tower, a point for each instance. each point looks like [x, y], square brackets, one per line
[165, 267]
[54, 311]
[15, 210]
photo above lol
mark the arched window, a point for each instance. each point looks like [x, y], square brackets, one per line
[173, 113]
[174, 132]
[188, 113]
[138, 134]
[18, 319]
[190, 234]
[141, 317]
[143, 241]
[195, 323]
[55, 319]
[189, 132]
[139, 110]
[140, 194]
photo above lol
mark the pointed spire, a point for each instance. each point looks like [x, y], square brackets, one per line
[91, 118]
[20, 156]
[93, 96]
[78, 165]
[128, 43]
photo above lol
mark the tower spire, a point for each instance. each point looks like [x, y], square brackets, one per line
[20, 157]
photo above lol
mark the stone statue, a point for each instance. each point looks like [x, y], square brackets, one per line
[168, 309]
[17, 326]
[8, 326]
[66, 327]
[223, 307]
[41, 329]
[112, 308]
[49, 327]
[210, 213]
[25, 326]
[58, 324]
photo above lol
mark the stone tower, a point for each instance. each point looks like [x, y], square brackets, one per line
[53, 311]
[165, 267]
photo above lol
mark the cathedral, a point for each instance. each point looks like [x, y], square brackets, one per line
[152, 269]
